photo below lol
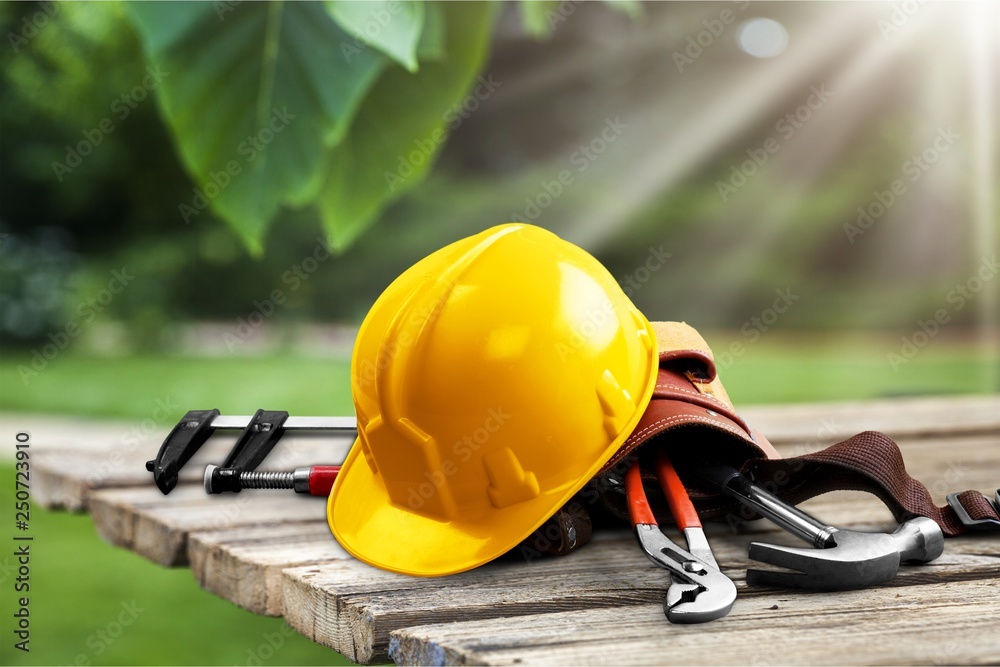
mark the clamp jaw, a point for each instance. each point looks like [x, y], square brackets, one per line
[260, 433]
[182, 442]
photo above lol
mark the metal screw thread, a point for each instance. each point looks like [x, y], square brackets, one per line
[267, 480]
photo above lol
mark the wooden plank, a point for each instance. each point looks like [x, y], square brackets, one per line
[815, 425]
[66, 477]
[221, 552]
[157, 526]
[71, 432]
[353, 608]
[271, 551]
[951, 623]
[244, 565]
[76, 456]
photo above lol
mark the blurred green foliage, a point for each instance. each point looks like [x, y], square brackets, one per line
[63, 239]
[274, 104]
[70, 219]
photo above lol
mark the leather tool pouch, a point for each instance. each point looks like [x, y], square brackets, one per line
[691, 415]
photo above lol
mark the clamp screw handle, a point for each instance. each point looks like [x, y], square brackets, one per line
[314, 480]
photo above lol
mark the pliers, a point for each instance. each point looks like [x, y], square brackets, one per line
[699, 591]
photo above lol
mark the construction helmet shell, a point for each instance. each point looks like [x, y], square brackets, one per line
[491, 381]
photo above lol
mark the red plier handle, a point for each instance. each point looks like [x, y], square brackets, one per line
[677, 496]
[700, 591]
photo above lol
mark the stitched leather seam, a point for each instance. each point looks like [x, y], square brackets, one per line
[637, 437]
[677, 418]
[725, 406]
[693, 393]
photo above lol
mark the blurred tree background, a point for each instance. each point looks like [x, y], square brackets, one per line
[199, 200]
[687, 129]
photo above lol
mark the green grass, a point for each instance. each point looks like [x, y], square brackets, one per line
[131, 386]
[773, 369]
[79, 583]
[797, 369]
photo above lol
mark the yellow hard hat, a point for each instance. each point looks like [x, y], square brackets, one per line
[491, 381]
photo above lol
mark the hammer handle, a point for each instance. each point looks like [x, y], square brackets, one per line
[789, 517]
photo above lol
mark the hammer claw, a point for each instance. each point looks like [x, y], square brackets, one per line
[776, 579]
[841, 559]
[857, 560]
[792, 558]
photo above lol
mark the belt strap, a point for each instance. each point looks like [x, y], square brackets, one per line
[872, 462]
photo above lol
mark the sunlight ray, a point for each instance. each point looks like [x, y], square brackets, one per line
[678, 150]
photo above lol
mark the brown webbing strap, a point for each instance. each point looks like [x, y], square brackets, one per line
[871, 462]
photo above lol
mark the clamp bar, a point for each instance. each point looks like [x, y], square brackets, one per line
[345, 425]
[260, 433]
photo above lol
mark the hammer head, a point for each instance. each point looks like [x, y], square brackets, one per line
[857, 560]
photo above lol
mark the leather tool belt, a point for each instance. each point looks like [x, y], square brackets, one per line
[691, 415]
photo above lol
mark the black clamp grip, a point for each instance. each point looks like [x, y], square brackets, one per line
[257, 440]
[985, 523]
[179, 446]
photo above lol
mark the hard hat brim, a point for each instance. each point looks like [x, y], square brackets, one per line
[371, 528]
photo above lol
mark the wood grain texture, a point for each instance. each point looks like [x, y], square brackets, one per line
[951, 623]
[67, 476]
[272, 553]
[815, 424]
[157, 526]
[77, 457]
[353, 608]
[244, 565]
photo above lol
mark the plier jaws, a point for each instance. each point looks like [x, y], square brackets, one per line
[700, 591]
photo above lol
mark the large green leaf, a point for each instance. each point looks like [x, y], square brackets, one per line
[391, 26]
[541, 17]
[431, 46]
[630, 8]
[535, 15]
[402, 125]
[253, 95]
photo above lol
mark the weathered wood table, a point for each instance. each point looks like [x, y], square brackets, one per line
[272, 553]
